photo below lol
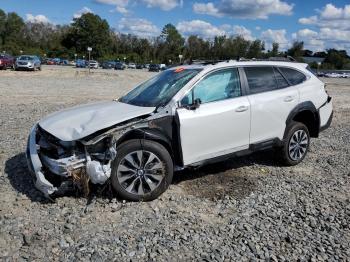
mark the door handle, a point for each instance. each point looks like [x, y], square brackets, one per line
[241, 109]
[288, 99]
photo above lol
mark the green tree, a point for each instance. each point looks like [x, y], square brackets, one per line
[234, 47]
[297, 50]
[3, 18]
[274, 51]
[89, 30]
[255, 49]
[13, 37]
[337, 58]
[196, 48]
[173, 43]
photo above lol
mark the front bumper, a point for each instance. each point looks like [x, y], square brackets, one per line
[35, 165]
[64, 168]
[24, 66]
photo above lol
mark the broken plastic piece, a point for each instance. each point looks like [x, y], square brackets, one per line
[97, 172]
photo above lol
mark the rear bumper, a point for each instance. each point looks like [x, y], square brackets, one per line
[326, 114]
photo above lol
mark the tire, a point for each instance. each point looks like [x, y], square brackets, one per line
[296, 144]
[143, 181]
[39, 68]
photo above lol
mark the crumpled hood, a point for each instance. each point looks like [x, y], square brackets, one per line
[80, 121]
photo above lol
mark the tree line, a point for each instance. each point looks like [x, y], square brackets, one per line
[64, 41]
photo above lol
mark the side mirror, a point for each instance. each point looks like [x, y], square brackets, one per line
[195, 105]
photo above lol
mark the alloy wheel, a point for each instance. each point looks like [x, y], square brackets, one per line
[140, 172]
[298, 145]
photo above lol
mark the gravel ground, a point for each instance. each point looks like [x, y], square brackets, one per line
[243, 209]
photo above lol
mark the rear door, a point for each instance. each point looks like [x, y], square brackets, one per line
[221, 123]
[272, 99]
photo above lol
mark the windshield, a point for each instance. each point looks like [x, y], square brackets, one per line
[26, 58]
[160, 89]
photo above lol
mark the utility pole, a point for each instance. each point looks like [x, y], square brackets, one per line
[89, 50]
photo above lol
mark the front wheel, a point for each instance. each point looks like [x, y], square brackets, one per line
[296, 144]
[142, 170]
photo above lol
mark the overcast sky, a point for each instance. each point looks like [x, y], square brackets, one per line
[320, 24]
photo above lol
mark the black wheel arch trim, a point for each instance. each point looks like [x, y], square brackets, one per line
[152, 134]
[304, 106]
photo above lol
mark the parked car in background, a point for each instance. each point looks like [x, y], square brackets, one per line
[119, 66]
[146, 66]
[56, 61]
[50, 61]
[139, 66]
[345, 75]
[6, 61]
[132, 65]
[108, 64]
[80, 63]
[93, 64]
[64, 62]
[162, 66]
[28, 62]
[153, 68]
[333, 75]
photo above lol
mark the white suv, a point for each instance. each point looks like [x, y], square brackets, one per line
[182, 117]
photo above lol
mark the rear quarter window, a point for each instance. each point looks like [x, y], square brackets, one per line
[294, 77]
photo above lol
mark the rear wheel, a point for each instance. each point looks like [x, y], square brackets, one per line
[142, 171]
[296, 144]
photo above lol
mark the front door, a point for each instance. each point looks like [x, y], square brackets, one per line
[221, 123]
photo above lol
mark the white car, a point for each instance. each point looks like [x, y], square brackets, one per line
[93, 64]
[28, 62]
[183, 117]
[333, 75]
[132, 65]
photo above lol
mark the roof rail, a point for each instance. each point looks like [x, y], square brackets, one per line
[215, 61]
[278, 58]
[206, 62]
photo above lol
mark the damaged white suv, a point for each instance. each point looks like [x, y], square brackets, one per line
[185, 116]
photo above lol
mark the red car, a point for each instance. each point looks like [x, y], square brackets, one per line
[6, 61]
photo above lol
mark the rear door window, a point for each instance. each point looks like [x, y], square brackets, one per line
[260, 79]
[294, 77]
[281, 81]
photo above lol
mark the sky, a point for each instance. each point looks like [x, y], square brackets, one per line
[321, 24]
